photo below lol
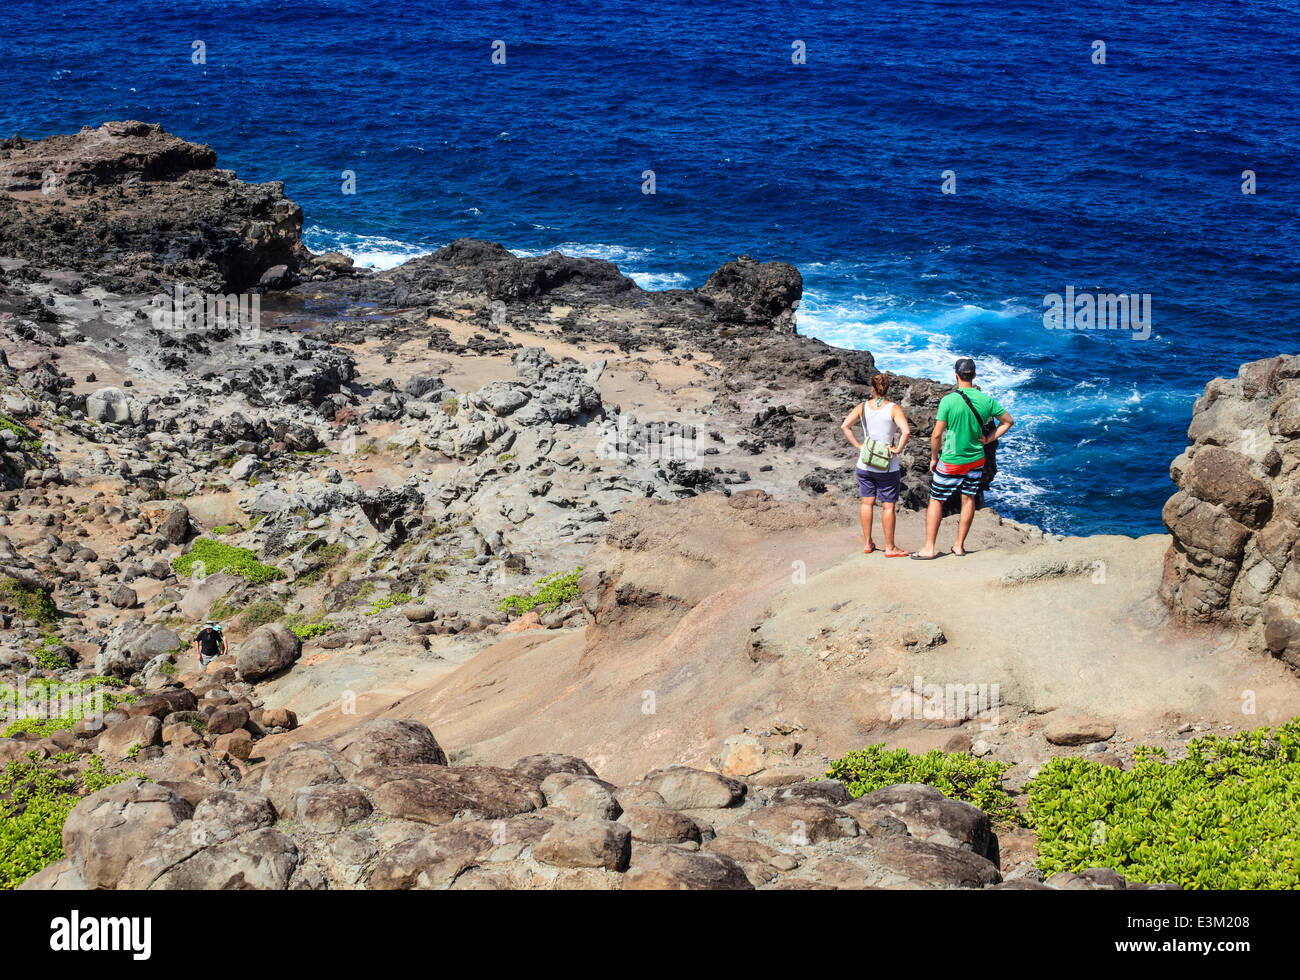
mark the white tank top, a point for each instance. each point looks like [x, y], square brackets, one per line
[879, 424]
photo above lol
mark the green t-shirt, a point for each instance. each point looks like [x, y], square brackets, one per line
[961, 442]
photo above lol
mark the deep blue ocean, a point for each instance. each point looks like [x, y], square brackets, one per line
[1122, 177]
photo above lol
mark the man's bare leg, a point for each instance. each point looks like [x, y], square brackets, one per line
[964, 523]
[933, 517]
[865, 512]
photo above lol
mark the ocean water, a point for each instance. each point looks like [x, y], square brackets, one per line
[1122, 177]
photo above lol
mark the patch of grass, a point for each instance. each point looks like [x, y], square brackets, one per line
[168, 668]
[1225, 817]
[388, 602]
[226, 529]
[31, 602]
[260, 613]
[256, 520]
[217, 556]
[27, 438]
[955, 774]
[45, 726]
[309, 631]
[46, 657]
[35, 800]
[552, 592]
[450, 406]
[223, 609]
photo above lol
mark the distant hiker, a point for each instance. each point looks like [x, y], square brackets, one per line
[210, 642]
[884, 434]
[963, 427]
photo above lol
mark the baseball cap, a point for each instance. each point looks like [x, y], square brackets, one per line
[964, 367]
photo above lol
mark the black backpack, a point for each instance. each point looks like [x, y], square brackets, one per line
[990, 469]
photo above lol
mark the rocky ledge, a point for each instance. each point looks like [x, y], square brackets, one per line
[382, 808]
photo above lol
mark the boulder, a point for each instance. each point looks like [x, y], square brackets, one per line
[586, 844]
[130, 646]
[662, 868]
[268, 650]
[390, 742]
[118, 742]
[437, 794]
[801, 823]
[108, 405]
[106, 829]
[538, 767]
[929, 815]
[582, 796]
[122, 596]
[684, 788]
[329, 807]
[660, 825]
[1074, 729]
[298, 766]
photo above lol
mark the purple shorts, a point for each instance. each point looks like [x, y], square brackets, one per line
[882, 486]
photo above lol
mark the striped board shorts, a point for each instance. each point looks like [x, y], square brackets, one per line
[948, 479]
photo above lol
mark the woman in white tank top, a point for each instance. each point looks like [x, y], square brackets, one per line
[883, 422]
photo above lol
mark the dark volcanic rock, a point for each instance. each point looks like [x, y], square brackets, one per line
[137, 204]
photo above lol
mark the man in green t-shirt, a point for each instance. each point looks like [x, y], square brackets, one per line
[957, 454]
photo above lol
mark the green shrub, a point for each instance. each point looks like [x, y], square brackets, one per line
[34, 802]
[217, 556]
[309, 631]
[260, 613]
[326, 557]
[46, 654]
[31, 602]
[78, 707]
[552, 592]
[225, 528]
[955, 774]
[388, 602]
[1225, 817]
[27, 438]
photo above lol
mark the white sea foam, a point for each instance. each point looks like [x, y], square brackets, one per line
[370, 251]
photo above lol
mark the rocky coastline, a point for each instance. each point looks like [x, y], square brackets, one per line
[357, 471]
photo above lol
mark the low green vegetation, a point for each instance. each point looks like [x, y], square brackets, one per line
[309, 631]
[78, 698]
[216, 556]
[1225, 817]
[327, 556]
[225, 529]
[27, 438]
[35, 800]
[955, 774]
[31, 602]
[388, 602]
[260, 613]
[451, 406]
[552, 591]
[46, 653]
[223, 610]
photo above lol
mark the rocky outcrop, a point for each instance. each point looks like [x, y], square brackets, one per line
[1235, 519]
[747, 291]
[372, 817]
[133, 204]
